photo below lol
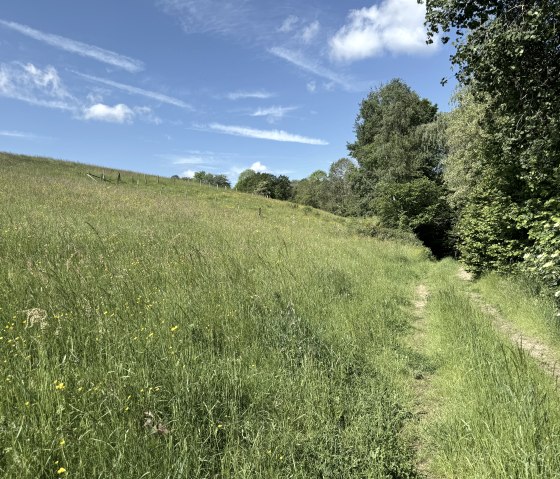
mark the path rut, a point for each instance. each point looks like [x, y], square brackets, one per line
[534, 347]
[422, 379]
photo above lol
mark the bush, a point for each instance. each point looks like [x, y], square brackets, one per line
[490, 238]
[419, 206]
[371, 228]
[542, 258]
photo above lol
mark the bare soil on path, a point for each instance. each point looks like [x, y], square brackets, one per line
[421, 377]
[534, 347]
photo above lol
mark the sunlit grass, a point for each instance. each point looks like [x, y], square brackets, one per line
[169, 329]
[174, 330]
[533, 313]
[496, 413]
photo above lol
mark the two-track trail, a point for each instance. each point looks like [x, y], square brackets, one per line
[534, 347]
[422, 375]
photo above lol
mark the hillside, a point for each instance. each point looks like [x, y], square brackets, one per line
[159, 328]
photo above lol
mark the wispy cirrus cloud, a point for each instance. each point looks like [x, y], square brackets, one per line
[254, 21]
[393, 26]
[310, 31]
[185, 159]
[273, 113]
[209, 16]
[258, 94]
[288, 24]
[83, 49]
[34, 85]
[273, 135]
[44, 87]
[19, 134]
[299, 60]
[137, 91]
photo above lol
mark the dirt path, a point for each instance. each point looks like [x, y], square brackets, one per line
[421, 376]
[535, 348]
[422, 294]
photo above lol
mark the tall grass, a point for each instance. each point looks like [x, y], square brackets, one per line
[171, 330]
[518, 298]
[497, 414]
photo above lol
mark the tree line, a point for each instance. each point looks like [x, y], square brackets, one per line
[481, 182]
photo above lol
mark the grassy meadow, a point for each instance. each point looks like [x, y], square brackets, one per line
[164, 329]
[262, 339]
[496, 414]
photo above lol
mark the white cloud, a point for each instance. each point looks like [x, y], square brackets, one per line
[138, 91]
[114, 114]
[274, 135]
[258, 167]
[42, 87]
[310, 31]
[288, 24]
[188, 174]
[146, 114]
[82, 49]
[18, 134]
[210, 16]
[95, 96]
[273, 113]
[240, 95]
[187, 160]
[310, 66]
[311, 86]
[395, 26]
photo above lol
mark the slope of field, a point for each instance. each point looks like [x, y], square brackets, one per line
[166, 329]
[154, 328]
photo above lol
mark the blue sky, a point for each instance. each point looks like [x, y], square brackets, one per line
[176, 86]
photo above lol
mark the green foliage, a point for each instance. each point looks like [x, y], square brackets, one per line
[212, 180]
[374, 230]
[400, 148]
[463, 166]
[508, 54]
[488, 234]
[331, 192]
[265, 184]
[419, 206]
[282, 188]
[341, 198]
[542, 258]
[313, 191]
[387, 144]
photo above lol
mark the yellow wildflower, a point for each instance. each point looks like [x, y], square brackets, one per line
[174, 328]
[59, 386]
[61, 471]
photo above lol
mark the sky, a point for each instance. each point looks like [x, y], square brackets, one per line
[170, 87]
